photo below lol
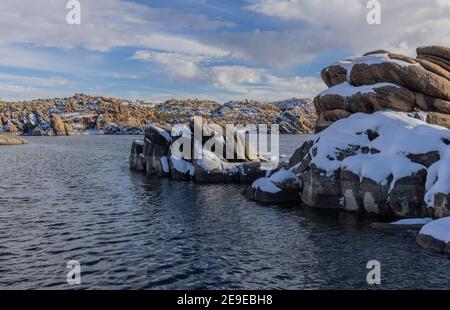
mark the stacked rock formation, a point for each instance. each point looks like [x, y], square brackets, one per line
[383, 80]
[155, 157]
[385, 163]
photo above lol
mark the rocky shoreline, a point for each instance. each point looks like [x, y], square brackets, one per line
[6, 139]
[82, 114]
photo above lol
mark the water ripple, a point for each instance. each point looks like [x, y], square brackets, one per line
[74, 198]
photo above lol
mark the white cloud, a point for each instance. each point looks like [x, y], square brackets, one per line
[231, 81]
[315, 26]
[31, 80]
[234, 78]
[105, 25]
[176, 65]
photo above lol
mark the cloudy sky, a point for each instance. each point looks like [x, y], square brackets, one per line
[209, 49]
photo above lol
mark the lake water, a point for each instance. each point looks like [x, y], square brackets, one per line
[67, 198]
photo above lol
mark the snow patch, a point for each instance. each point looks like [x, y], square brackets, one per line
[439, 229]
[418, 221]
[182, 166]
[393, 137]
[438, 179]
[265, 185]
[347, 90]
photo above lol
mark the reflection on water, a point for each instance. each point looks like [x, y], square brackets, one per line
[74, 198]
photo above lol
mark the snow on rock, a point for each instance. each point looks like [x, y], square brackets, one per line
[418, 221]
[383, 80]
[391, 135]
[182, 166]
[436, 235]
[384, 163]
[376, 59]
[165, 164]
[379, 167]
[282, 186]
[347, 90]
[265, 185]
[439, 229]
[438, 180]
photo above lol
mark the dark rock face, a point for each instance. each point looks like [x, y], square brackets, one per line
[441, 205]
[258, 195]
[425, 159]
[406, 196]
[137, 156]
[428, 242]
[334, 75]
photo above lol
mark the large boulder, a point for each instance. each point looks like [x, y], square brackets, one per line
[436, 236]
[358, 164]
[181, 155]
[382, 80]
[283, 186]
[336, 73]
[365, 99]
[321, 189]
[156, 151]
[136, 159]
[181, 169]
[58, 125]
[7, 139]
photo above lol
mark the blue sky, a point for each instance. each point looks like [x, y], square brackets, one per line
[208, 49]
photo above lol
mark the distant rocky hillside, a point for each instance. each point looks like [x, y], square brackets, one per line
[84, 114]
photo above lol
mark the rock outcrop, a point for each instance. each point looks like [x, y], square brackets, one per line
[282, 186]
[385, 163]
[82, 113]
[383, 80]
[179, 154]
[6, 139]
[436, 236]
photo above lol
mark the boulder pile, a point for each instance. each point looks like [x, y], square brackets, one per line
[383, 80]
[385, 163]
[155, 154]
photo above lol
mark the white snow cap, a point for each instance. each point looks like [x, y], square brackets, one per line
[397, 137]
[347, 90]
[439, 229]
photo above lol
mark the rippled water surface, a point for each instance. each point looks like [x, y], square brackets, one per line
[74, 198]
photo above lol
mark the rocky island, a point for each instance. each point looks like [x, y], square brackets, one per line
[382, 145]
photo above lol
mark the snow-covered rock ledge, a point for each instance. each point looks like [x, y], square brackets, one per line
[436, 236]
[384, 163]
